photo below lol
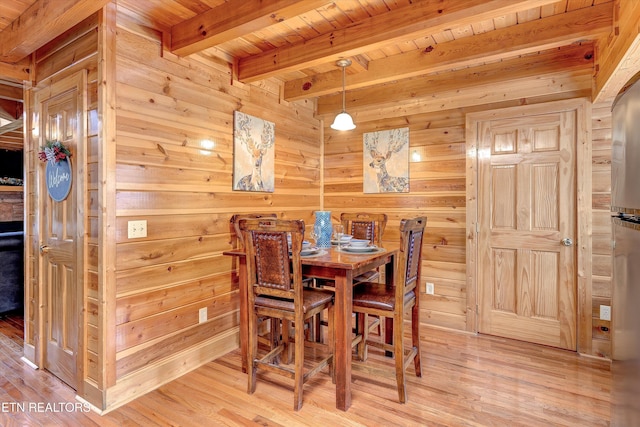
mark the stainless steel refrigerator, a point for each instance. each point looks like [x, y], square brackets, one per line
[625, 203]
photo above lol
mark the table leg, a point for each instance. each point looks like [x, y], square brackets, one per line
[342, 324]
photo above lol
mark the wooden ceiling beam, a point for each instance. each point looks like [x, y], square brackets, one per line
[40, 23]
[409, 22]
[10, 92]
[233, 19]
[16, 124]
[532, 36]
[17, 71]
[513, 92]
[541, 69]
[618, 56]
[10, 110]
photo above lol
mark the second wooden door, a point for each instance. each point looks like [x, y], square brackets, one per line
[526, 218]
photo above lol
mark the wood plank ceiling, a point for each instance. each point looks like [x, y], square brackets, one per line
[400, 49]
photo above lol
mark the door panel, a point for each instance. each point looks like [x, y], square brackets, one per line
[59, 234]
[526, 207]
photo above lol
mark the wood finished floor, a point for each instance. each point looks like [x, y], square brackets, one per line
[467, 381]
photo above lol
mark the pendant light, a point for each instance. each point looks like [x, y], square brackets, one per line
[343, 121]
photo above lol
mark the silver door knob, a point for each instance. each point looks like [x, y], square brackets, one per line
[44, 249]
[567, 241]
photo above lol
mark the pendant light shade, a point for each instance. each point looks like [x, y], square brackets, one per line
[343, 121]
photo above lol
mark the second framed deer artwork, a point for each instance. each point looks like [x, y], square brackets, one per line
[385, 161]
[253, 153]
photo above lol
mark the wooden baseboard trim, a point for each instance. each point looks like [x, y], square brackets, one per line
[29, 363]
[147, 379]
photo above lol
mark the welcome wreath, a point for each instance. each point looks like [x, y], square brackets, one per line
[53, 151]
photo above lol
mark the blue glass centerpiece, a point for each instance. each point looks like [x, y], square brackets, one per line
[323, 229]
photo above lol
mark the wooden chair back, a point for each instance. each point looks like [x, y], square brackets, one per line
[362, 225]
[409, 264]
[271, 269]
[238, 241]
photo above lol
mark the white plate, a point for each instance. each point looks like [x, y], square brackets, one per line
[310, 251]
[361, 250]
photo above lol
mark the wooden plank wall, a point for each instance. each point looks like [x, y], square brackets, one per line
[168, 110]
[437, 190]
[601, 214]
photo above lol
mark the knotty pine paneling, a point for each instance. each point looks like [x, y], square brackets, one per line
[163, 174]
[145, 279]
[602, 232]
[74, 56]
[92, 327]
[155, 351]
[167, 322]
[602, 286]
[601, 227]
[138, 306]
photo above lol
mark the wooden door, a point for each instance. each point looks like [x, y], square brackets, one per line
[61, 116]
[526, 211]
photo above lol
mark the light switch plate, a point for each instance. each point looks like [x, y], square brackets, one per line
[202, 315]
[137, 229]
[605, 312]
[430, 289]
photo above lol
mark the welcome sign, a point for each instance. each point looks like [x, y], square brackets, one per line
[58, 179]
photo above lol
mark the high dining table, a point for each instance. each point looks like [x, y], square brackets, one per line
[341, 267]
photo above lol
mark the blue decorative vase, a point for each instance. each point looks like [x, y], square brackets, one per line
[323, 229]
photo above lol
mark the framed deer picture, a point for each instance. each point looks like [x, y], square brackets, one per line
[385, 161]
[253, 153]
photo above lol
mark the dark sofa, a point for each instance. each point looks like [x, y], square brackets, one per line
[11, 266]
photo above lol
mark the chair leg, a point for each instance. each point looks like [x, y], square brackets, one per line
[387, 331]
[398, 350]
[275, 333]
[362, 329]
[415, 337]
[286, 341]
[318, 328]
[299, 364]
[252, 352]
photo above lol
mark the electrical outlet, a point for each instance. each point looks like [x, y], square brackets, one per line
[430, 288]
[137, 229]
[605, 312]
[202, 315]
